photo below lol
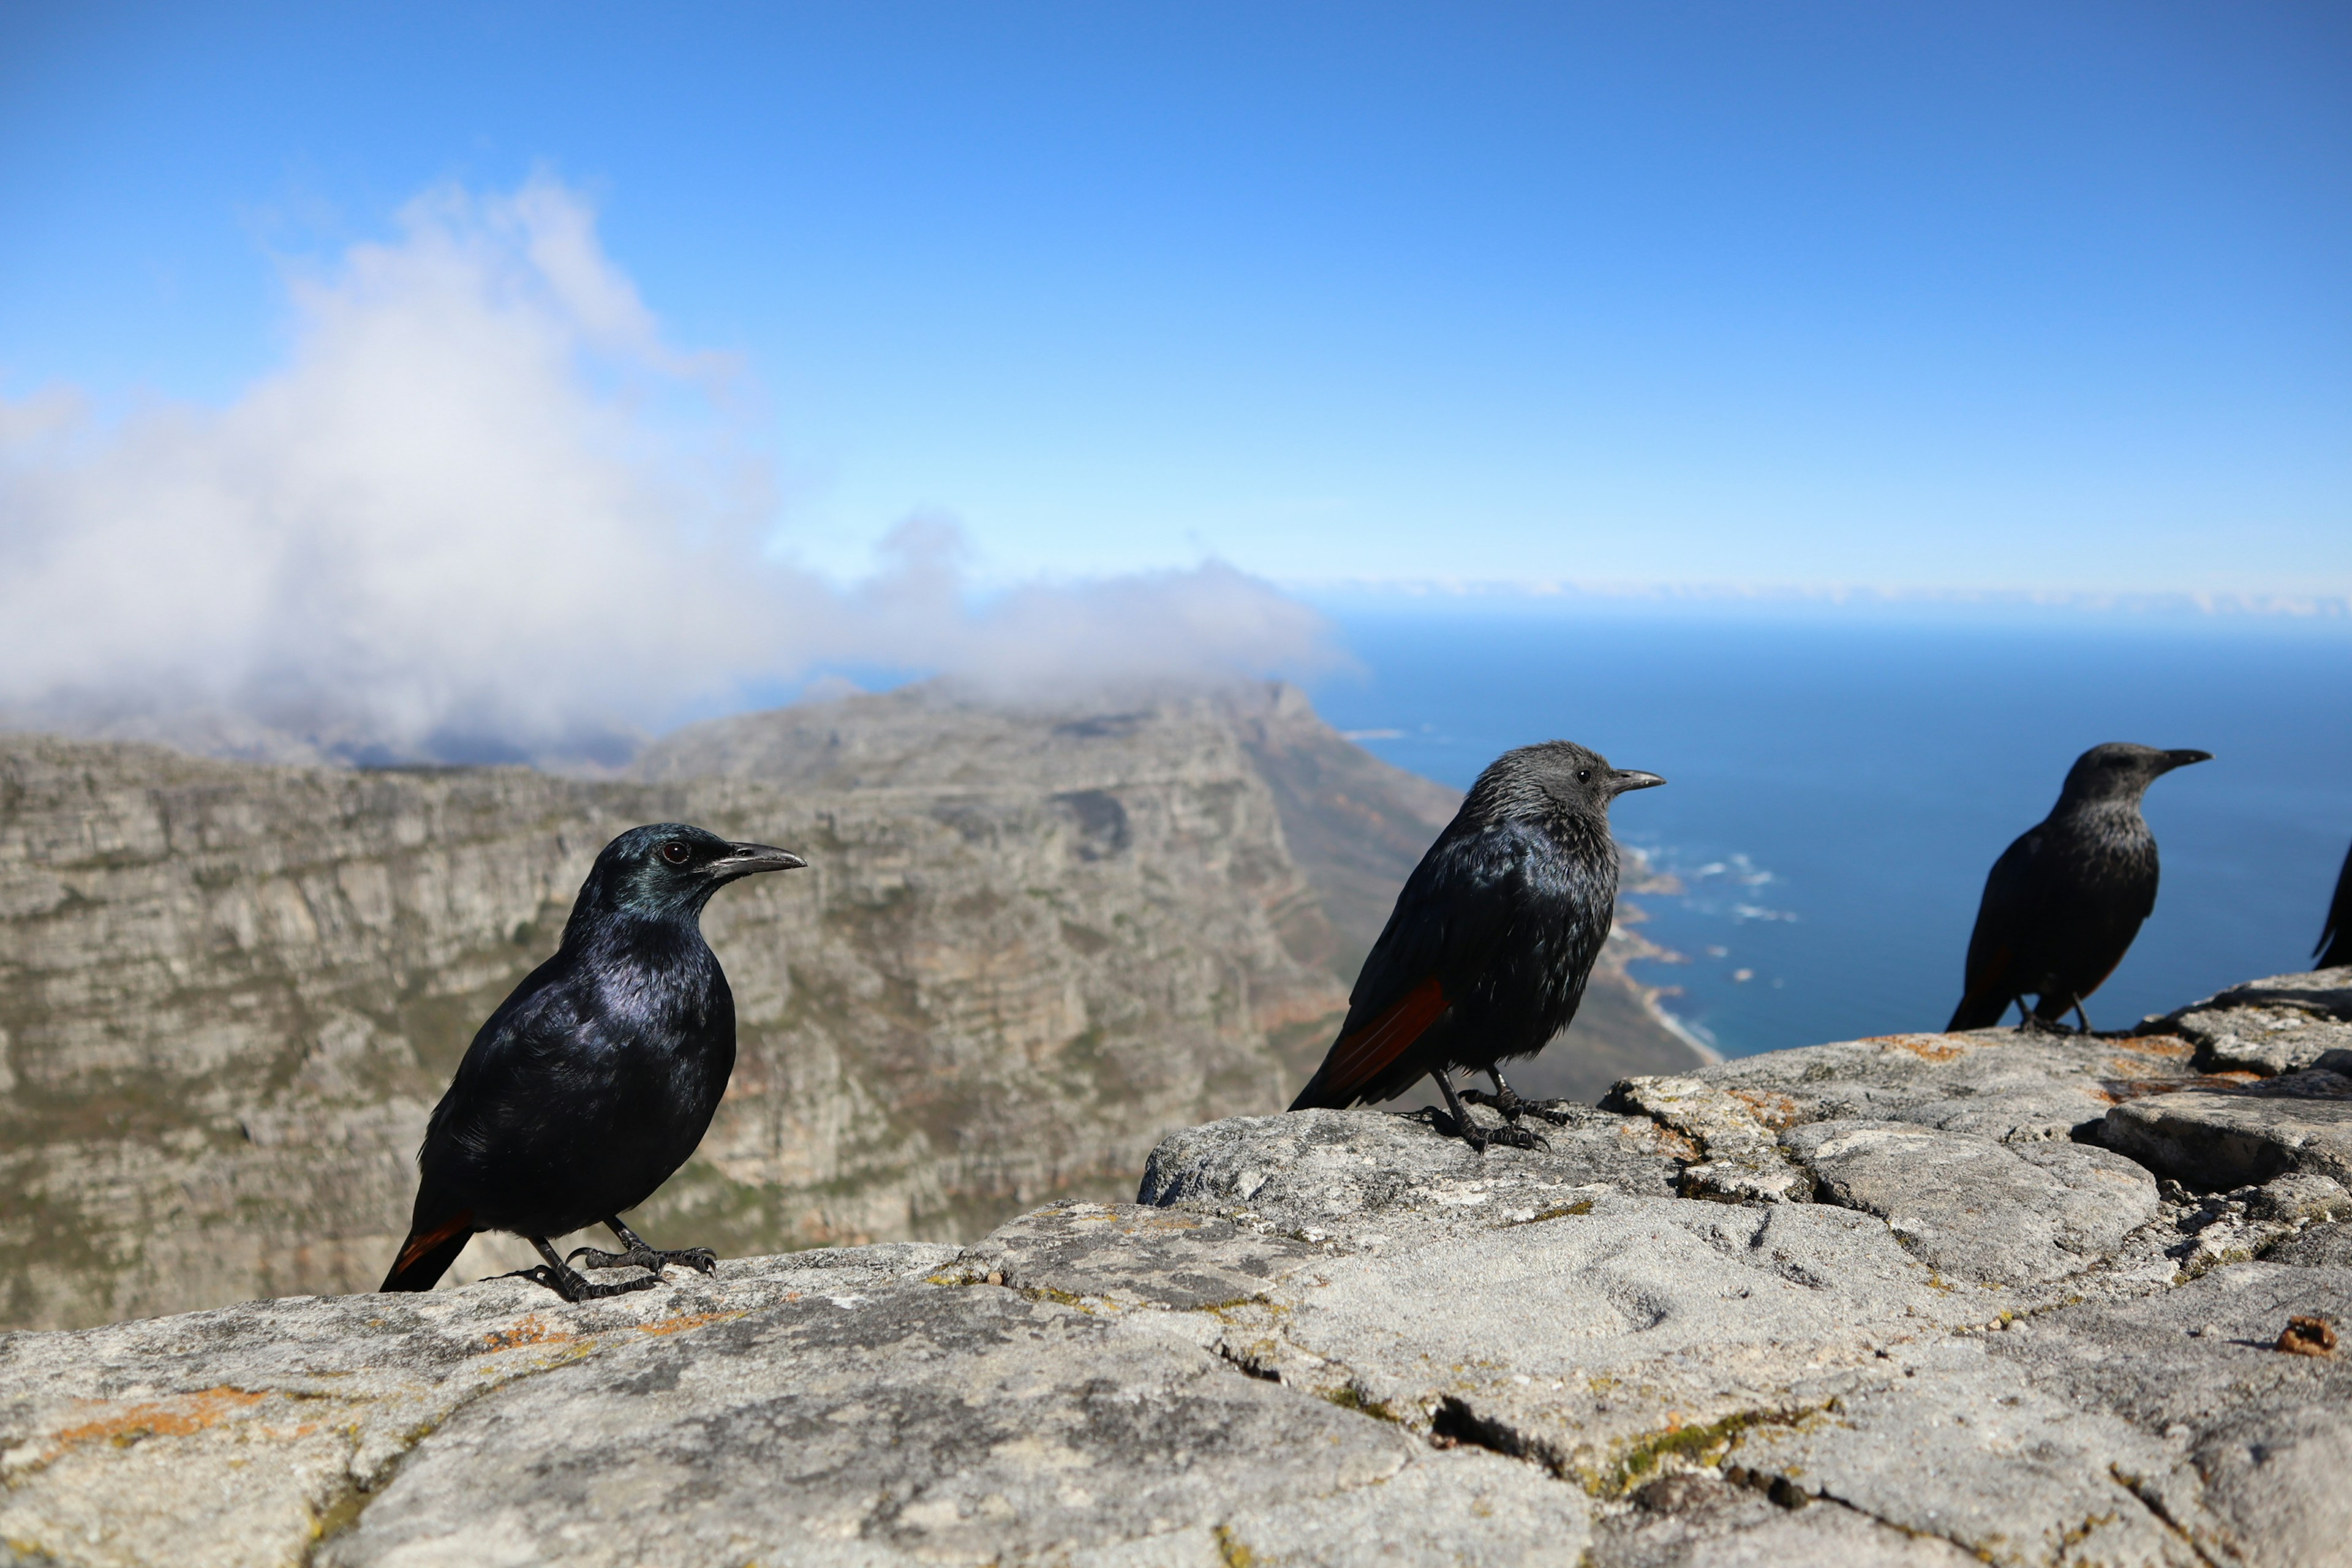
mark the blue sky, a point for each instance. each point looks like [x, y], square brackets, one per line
[2052, 297]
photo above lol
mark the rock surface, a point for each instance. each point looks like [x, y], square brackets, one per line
[1030, 942]
[2301, 1121]
[1332, 1337]
[2271, 1025]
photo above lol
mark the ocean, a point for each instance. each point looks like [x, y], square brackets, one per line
[1839, 781]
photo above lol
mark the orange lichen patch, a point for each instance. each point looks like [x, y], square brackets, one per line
[688, 1320]
[1927, 1048]
[175, 1417]
[529, 1331]
[2168, 1046]
[1777, 1111]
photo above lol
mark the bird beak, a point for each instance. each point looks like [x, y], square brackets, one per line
[748, 859]
[1623, 779]
[2182, 759]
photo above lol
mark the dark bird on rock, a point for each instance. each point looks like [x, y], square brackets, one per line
[595, 1079]
[2336, 937]
[1485, 956]
[2063, 904]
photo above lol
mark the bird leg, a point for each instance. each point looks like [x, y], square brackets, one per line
[701, 1260]
[2082, 1017]
[2030, 1022]
[566, 1282]
[1509, 1133]
[1506, 1099]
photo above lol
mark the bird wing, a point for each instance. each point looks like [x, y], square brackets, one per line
[2006, 907]
[540, 1041]
[1359, 1057]
[1453, 912]
[2336, 938]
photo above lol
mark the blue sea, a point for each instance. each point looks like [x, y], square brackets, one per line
[1840, 782]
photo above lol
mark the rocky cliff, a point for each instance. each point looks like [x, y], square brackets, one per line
[1925, 1301]
[1030, 944]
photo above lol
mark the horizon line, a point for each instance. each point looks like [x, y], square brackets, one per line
[2203, 603]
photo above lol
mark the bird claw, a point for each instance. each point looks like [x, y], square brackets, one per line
[569, 1284]
[701, 1260]
[1512, 1107]
[1518, 1137]
[1479, 1137]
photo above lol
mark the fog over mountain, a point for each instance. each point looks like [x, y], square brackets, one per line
[485, 509]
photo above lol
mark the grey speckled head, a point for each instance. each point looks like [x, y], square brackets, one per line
[2121, 771]
[1558, 774]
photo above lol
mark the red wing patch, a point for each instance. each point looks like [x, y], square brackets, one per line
[1359, 1057]
[426, 1241]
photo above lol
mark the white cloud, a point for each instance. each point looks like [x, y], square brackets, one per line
[484, 500]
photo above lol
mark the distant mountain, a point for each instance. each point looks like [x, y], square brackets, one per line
[1031, 942]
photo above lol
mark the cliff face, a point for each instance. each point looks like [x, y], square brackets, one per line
[1920, 1301]
[1028, 944]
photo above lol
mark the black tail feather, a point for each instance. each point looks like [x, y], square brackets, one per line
[1978, 1010]
[421, 1265]
[2336, 938]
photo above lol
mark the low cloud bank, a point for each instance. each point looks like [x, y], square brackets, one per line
[485, 509]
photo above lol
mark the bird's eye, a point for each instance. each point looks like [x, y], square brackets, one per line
[1584, 776]
[675, 853]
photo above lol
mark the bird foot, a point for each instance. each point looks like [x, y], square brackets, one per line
[2034, 1024]
[1512, 1107]
[1477, 1137]
[701, 1260]
[569, 1285]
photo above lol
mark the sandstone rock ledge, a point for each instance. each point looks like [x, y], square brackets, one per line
[1923, 1299]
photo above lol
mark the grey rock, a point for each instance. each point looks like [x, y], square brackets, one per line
[1595, 1343]
[1360, 1174]
[2013, 1214]
[1739, 1157]
[237, 1436]
[1969, 1449]
[2299, 1195]
[921, 1424]
[2325, 1246]
[1466, 1507]
[2003, 1084]
[2196, 1367]
[1693, 1519]
[2271, 1026]
[2229, 1137]
[1126, 1254]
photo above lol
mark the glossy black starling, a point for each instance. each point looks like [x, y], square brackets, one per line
[2336, 937]
[2063, 904]
[1485, 956]
[595, 1079]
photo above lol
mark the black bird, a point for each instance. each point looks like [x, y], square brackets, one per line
[1485, 956]
[595, 1079]
[2336, 937]
[2063, 904]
